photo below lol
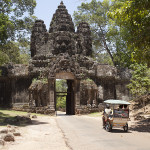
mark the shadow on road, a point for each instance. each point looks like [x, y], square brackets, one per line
[119, 131]
[141, 126]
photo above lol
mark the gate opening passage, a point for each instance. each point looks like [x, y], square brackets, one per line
[64, 96]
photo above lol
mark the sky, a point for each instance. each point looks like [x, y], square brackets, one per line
[46, 8]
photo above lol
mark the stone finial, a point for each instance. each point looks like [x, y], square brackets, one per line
[61, 3]
[61, 20]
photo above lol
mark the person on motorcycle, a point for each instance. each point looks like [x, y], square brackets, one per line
[107, 110]
[107, 113]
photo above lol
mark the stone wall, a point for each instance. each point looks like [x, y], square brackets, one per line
[14, 84]
[20, 93]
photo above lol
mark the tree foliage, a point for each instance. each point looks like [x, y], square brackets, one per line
[133, 18]
[140, 81]
[61, 103]
[61, 86]
[95, 14]
[102, 58]
[5, 24]
[16, 21]
[13, 52]
[105, 32]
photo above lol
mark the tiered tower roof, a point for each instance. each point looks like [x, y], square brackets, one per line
[61, 20]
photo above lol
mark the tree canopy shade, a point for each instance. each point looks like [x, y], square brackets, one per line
[16, 19]
[133, 18]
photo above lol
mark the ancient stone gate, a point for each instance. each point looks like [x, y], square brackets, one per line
[62, 53]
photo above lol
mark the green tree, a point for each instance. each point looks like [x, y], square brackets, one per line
[102, 58]
[95, 14]
[13, 52]
[105, 32]
[133, 19]
[16, 21]
[3, 58]
[140, 81]
[5, 24]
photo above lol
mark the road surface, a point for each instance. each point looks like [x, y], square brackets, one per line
[75, 133]
[86, 133]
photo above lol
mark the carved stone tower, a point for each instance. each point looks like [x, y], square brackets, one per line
[63, 53]
[62, 37]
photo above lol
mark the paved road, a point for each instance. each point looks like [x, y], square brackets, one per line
[86, 133]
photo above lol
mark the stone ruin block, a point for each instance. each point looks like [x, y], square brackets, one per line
[106, 71]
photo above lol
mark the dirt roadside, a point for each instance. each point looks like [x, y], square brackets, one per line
[43, 134]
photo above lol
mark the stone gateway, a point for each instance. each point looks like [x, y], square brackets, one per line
[61, 53]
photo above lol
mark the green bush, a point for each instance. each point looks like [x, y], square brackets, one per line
[61, 103]
[42, 80]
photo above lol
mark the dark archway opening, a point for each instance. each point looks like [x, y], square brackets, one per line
[64, 96]
[5, 94]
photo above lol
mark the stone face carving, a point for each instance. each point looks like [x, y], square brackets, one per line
[62, 43]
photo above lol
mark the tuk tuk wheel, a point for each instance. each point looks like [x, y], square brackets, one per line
[108, 127]
[125, 128]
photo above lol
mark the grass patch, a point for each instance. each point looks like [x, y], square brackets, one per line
[96, 114]
[8, 113]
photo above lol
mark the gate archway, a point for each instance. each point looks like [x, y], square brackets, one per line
[73, 92]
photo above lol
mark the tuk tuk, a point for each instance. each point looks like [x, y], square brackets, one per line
[119, 115]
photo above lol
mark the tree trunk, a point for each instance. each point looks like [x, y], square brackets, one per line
[106, 47]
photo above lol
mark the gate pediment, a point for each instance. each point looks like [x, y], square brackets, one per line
[65, 76]
[64, 67]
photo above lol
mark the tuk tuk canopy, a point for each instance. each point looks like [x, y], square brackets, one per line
[116, 102]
